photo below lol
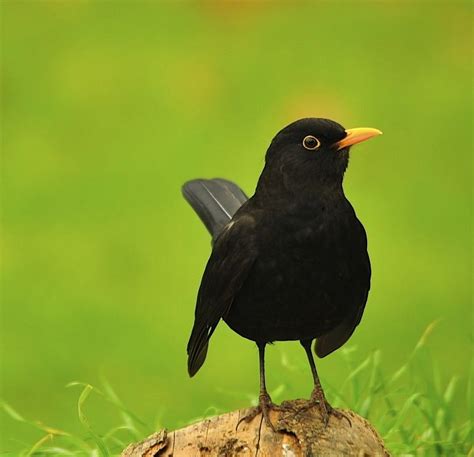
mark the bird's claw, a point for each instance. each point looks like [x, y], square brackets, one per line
[264, 407]
[338, 414]
[317, 399]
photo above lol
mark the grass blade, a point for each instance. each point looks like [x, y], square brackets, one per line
[84, 421]
[39, 443]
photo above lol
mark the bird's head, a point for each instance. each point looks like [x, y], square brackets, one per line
[311, 153]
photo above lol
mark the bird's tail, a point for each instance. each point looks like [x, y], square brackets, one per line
[215, 201]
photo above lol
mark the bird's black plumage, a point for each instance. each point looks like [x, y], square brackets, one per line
[291, 262]
[215, 201]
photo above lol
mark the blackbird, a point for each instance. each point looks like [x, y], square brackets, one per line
[290, 262]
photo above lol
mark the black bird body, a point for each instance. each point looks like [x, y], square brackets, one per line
[291, 262]
[310, 271]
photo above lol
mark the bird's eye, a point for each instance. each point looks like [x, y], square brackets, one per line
[311, 142]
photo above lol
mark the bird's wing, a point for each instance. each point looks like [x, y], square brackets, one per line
[232, 257]
[334, 339]
[339, 335]
[215, 201]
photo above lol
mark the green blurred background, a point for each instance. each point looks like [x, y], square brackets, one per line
[108, 107]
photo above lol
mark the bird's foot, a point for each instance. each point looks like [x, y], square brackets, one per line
[327, 410]
[264, 407]
[338, 414]
[318, 400]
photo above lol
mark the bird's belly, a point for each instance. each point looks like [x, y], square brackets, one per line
[294, 297]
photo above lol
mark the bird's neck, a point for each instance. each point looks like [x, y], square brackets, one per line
[275, 189]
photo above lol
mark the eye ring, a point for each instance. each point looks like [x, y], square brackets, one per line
[311, 143]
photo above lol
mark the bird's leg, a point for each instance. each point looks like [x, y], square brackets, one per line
[317, 396]
[265, 403]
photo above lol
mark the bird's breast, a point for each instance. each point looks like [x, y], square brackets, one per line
[310, 272]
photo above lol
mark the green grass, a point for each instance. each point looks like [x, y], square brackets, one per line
[412, 408]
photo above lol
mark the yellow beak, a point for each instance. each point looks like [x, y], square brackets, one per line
[354, 136]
